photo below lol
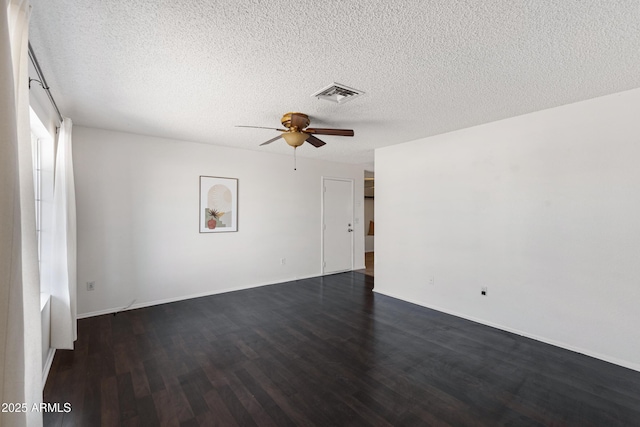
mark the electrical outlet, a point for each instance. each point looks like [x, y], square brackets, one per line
[283, 261]
[432, 281]
[91, 286]
[483, 291]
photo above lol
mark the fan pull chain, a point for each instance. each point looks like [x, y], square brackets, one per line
[294, 158]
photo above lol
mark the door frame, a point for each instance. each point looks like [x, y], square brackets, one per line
[322, 227]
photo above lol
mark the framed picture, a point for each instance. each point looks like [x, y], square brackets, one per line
[218, 204]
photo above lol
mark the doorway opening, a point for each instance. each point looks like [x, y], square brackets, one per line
[369, 222]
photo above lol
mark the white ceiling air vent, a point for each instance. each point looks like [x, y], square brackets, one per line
[338, 93]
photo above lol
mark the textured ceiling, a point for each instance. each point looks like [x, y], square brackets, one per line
[193, 69]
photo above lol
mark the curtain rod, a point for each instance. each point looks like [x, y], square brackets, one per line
[42, 81]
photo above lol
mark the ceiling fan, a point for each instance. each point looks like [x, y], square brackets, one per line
[297, 132]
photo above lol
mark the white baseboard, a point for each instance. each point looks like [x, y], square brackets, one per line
[47, 366]
[606, 358]
[185, 297]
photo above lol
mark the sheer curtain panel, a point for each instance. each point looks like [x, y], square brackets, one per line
[63, 283]
[20, 328]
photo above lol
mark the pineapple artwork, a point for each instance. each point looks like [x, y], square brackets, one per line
[218, 207]
[213, 217]
[218, 204]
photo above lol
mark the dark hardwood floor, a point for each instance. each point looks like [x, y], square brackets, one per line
[326, 352]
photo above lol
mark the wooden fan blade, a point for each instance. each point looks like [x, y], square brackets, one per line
[261, 127]
[315, 141]
[323, 131]
[271, 140]
[299, 121]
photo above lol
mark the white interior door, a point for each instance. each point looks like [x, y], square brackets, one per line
[337, 217]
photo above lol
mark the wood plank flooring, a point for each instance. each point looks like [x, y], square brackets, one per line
[326, 352]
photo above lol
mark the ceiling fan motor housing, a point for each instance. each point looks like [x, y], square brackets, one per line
[287, 122]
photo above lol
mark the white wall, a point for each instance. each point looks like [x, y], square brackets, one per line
[543, 209]
[138, 204]
[47, 351]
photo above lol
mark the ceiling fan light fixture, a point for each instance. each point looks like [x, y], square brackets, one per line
[295, 139]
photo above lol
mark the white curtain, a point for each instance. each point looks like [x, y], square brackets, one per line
[63, 284]
[20, 327]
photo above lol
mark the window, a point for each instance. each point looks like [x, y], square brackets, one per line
[43, 160]
[37, 188]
